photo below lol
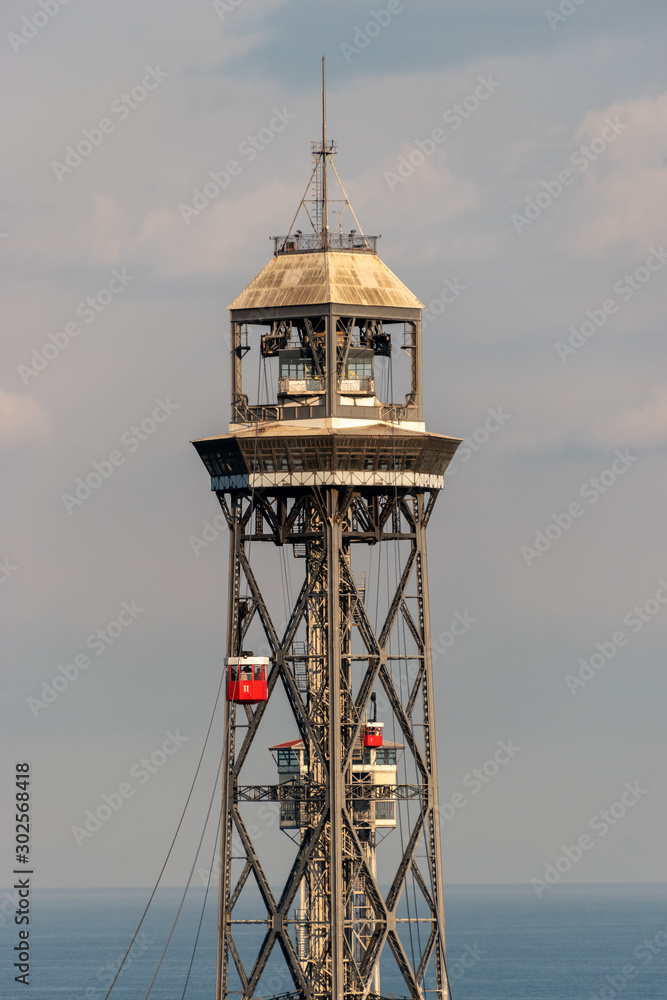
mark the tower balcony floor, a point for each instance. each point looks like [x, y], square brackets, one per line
[273, 455]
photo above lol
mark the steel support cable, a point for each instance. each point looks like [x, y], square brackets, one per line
[441, 936]
[283, 581]
[171, 847]
[369, 563]
[402, 642]
[422, 811]
[403, 669]
[254, 467]
[286, 581]
[284, 568]
[302, 202]
[203, 909]
[266, 383]
[223, 886]
[426, 840]
[377, 589]
[192, 869]
[397, 582]
[425, 834]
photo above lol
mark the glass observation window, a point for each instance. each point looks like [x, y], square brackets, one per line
[288, 758]
[297, 369]
[360, 368]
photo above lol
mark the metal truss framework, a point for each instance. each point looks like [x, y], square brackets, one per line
[329, 661]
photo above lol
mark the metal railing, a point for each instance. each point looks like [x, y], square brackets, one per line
[299, 386]
[300, 242]
[349, 386]
[244, 413]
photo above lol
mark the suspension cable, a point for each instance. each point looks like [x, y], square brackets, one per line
[397, 582]
[171, 847]
[254, 468]
[192, 869]
[203, 909]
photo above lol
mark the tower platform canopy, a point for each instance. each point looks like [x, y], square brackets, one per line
[322, 277]
[290, 455]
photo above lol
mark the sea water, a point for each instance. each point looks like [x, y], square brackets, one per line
[575, 942]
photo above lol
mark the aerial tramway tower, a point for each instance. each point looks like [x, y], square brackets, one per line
[327, 470]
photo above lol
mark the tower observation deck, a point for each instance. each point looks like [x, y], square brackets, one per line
[328, 654]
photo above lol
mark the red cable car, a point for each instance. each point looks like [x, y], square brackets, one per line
[373, 734]
[247, 679]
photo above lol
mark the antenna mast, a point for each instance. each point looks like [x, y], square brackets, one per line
[325, 195]
[316, 196]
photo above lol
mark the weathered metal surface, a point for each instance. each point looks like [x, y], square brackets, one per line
[341, 277]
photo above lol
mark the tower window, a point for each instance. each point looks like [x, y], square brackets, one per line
[359, 368]
[297, 369]
[288, 758]
[385, 810]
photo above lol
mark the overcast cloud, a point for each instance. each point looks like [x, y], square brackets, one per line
[546, 201]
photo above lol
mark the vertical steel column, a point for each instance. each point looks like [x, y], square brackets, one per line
[228, 758]
[334, 539]
[318, 900]
[331, 362]
[417, 369]
[236, 365]
[432, 835]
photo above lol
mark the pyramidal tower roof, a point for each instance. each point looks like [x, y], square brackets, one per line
[345, 277]
[325, 266]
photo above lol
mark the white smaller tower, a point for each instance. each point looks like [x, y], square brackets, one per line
[373, 808]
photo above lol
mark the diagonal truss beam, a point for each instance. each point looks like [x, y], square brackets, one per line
[328, 518]
[269, 629]
[403, 720]
[399, 596]
[398, 884]
[253, 861]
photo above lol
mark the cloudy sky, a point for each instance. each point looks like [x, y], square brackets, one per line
[512, 151]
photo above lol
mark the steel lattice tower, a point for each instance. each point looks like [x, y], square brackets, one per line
[325, 471]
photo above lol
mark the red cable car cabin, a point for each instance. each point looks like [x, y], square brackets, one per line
[247, 679]
[373, 734]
